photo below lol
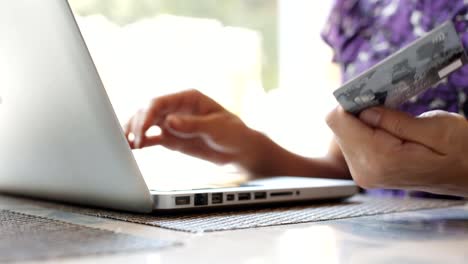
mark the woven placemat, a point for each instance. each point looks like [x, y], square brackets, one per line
[26, 237]
[253, 218]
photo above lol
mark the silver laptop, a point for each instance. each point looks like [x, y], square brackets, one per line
[60, 138]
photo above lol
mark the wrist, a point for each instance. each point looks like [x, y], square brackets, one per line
[255, 155]
[263, 157]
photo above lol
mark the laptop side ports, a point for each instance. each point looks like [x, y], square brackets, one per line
[182, 200]
[278, 194]
[244, 196]
[217, 198]
[230, 197]
[201, 199]
[260, 195]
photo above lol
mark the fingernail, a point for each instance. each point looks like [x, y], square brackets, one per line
[137, 141]
[370, 117]
[330, 118]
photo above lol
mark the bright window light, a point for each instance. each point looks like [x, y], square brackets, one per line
[263, 60]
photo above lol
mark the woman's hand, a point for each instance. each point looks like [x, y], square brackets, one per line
[194, 124]
[390, 149]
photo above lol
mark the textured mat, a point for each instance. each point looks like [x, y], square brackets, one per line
[26, 237]
[252, 218]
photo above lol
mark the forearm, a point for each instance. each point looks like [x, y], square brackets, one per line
[270, 159]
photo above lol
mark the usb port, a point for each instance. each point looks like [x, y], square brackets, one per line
[230, 197]
[182, 200]
[244, 196]
[260, 195]
[217, 198]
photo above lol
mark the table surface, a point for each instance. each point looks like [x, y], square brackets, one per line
[426, 236]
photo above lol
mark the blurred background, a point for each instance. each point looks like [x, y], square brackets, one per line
[262, 59]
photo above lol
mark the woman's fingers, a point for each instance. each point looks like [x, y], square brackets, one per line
[425, 130]
[128, 131]
[187, 102]
[191, 123]
[138, 132]
[212, 128]
[400, 151]
[196, 147]
[347, 128]
[216, 137]
[127, 128]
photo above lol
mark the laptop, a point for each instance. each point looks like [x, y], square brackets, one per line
[60, 138]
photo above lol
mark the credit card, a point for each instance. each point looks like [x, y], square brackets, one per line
[406, 73]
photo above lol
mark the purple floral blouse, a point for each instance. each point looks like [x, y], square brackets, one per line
[363, 32]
